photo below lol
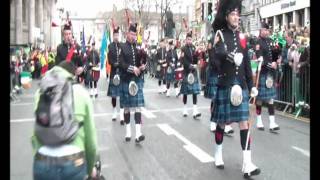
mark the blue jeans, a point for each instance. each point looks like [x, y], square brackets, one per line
[50, 170]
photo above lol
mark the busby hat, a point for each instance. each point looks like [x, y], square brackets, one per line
[224, 8]
[116, 30]
[133, 27]
[67, 25]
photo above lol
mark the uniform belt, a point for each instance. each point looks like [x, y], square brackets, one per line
[71, 157]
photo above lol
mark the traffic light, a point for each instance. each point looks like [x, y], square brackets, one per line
[210, 12]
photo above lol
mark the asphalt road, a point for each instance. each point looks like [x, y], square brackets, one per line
[175, 148]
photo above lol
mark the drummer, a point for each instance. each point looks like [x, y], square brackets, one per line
[171, 59]
[93, 64]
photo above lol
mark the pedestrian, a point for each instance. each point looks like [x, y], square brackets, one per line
[234, 82]
[132, 82]
[60, 154]
[114, 83]
[266, 88]
[190, 82]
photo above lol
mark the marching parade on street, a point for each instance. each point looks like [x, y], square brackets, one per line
[146, 64]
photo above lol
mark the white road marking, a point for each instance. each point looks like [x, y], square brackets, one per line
[190, 147]
[304, 152]
[147, 113]
[100, 93]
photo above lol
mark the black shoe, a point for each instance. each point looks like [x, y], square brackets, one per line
[141, 138]
[122, 122]
[128, 139]
[96, 96]
[185, 115]
[274, 129]
[252, 173]
[197, 115]
[261, 128]
[229, 132]
[114, 119]
[220, 166]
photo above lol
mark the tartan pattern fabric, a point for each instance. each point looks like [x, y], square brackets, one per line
[160, 74]
[126, 100]
[225, 112]
[265, 94]
[170, 76]
[211, 86]
[113, 91]
[187, 88]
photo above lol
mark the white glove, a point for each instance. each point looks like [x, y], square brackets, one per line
[254, 92]
[260, 59]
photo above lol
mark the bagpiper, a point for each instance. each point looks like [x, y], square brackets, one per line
[190, 83]
[211, 87]
[172, 62]
[131, 86]
[267, 91]
[114, 83]
[234, 83]
[69, 50]
[161, 66]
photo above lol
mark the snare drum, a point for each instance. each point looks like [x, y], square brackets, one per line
[95, 73]
[179, 74]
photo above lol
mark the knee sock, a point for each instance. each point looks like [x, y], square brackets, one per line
[184, 99]
[194, 99]
[243, 139]
[219, 135]
[271, 109]
[127, 117]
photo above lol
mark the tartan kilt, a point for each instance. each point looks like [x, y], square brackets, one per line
[211, 86]
[126, 100]
[225, 112]
[265, 94]
[170, 76]
[187, 88]
[160, 74]
[113, 90]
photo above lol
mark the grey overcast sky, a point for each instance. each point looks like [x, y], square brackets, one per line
[89, 8]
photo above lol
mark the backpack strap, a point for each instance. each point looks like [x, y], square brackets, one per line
[73, 82]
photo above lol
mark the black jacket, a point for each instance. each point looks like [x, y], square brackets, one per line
[114, 57]
[94, 58]
[227, 71]
[170, 55]
[62, 51]
[161, 54]
[129, 57]
[266, 52]
[189, 58]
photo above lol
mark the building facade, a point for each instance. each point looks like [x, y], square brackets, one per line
[30, 22]
[280, 13]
